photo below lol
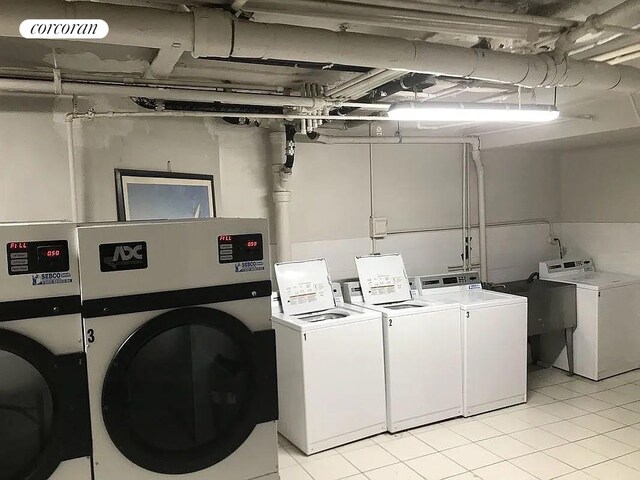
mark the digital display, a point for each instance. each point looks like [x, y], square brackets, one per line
[240, 248]
[569, 264]
[450, 280]
[37, 257]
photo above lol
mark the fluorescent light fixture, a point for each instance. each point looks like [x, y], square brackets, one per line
[471, 112]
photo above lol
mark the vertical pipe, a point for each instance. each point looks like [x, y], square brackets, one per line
[465, 153]
[281, 197]
[482, 213]
[72, 168]
[371, 197]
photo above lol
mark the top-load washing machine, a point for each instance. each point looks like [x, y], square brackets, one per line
[44, 403]
[422, 344]
[607, 338]
[330, 361]
[494, 345]
[180, 350]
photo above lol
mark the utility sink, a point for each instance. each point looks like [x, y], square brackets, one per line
[551, 307]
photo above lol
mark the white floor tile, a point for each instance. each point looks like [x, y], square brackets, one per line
[359, 476]
[612, 382]
[538, 438]
[399, 471]
[302, 458]
[542, 466]
[576, 476]
[634, 407]
[569, 431]
[367, 442]
[407, 448]
[388, 437]
[476, 431]
[614, 398]
[535, 417]
[575, 455]
[465, 476]
[472, 456]
[294, 473]
[606, 446]
[285, 459]
[330, 468]
[584, 387]
[631, 390]
[632, 460]
[536, 398]
[503, 471]
[632, 376]
[589, 404]
[612, 470]
[563, 410]
[621, 415]
[628, 435]
[435, 466]
[506, 423]
[370, 458]
[597, 423]
[443, 439]
[506, 447]
[558, 392]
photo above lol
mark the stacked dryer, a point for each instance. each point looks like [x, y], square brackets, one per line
[44, 406]
[180, 350]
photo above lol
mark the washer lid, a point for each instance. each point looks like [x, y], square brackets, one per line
[383, 279]
[601, 280]
[304, 287]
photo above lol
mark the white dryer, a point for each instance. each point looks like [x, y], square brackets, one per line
[330, 362]
[44, 400]
[494, 345]
[422, 344]
[180, 350]
[607, 338]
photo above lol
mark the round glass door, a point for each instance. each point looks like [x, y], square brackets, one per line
[177, 396]
[26, 416]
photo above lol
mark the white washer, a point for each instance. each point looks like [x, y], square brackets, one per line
[607, 339]
[422, 344]
[44, 400]
[180, 350]
[330, 362]
[494, 332]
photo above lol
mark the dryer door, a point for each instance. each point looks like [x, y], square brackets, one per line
[188, 388]
[44, 417]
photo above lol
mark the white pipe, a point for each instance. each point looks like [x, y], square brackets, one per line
[281, 197]
[482, 213]
[360, 78]
[465, 157]
[209, 32]
[72, 168]
[337, 140]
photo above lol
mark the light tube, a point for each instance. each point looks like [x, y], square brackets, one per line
[472, 112]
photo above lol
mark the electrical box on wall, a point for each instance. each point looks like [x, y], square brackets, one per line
[378, 227]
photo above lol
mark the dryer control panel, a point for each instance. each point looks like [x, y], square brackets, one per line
[37, 257]
[240, 248]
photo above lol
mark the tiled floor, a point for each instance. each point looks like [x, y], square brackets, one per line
[571, 429]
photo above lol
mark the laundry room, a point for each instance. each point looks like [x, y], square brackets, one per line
[319, 240]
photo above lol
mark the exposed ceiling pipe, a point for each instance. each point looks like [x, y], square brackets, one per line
[396, 18]
[208, 32]
[599, 23]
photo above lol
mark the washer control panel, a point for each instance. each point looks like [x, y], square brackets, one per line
[240, 248]
[37, 257]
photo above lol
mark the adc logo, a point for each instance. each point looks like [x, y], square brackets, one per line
[123, 256]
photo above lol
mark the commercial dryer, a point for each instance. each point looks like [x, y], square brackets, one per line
[180, 350]
[44, 401]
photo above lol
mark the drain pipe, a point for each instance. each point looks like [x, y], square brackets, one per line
[482, 212]
[473, 142]
[281, 193]
[72, 167]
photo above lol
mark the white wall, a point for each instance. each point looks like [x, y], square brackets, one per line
[601, 205]
[414, 186]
